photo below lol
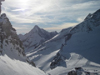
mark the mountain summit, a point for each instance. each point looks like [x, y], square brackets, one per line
[35, 37]
[35, 29]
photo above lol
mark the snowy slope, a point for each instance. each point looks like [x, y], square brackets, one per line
[35, 37]
[72, 47]
[13, 60]
[79, 52]
[10, 66]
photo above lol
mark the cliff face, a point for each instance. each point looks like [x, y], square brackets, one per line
[9, 40]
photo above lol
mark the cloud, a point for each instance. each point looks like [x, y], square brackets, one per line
[79, 19]
[48, 13]
[22, 28]
[19, 10]
[65, 25]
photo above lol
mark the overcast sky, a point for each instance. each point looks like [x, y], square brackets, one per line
[48, 14]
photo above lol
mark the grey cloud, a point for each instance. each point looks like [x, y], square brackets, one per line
[47, 13]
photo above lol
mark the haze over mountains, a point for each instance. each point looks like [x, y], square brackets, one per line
[52, 52]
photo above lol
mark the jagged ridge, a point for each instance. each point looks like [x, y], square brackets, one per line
[35, 37]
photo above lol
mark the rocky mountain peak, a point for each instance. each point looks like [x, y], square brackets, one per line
[35, 29]
[36, 26]
[98, 11]
[36, 37]
[3, 15]
[89, 24]
[88, 16]
[9, 39]
[96, 15]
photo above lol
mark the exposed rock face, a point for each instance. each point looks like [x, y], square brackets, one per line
[9, 37]
[81, 71]
[10, 43]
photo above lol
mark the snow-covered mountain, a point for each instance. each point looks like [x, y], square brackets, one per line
[35, 37]
[13, 60]
[73, 47]
[9, 40]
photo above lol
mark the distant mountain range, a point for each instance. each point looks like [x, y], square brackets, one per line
[35, 38]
